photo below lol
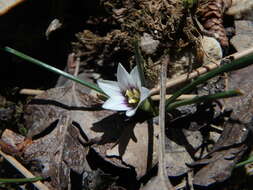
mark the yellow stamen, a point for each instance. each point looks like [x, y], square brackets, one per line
[136, 93]
[129, 93]
[133, 96]
[133, 101]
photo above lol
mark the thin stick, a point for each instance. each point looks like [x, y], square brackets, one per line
[8, 5]
[161, 159]
[23, 170]
[200, 71]
[190, 175]
[77, 63]
[33, 92]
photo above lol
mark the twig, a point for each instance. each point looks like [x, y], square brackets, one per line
[77, 63]
[23, 170]
[181, 186]
[7, 6]
[27, 91]
[201, 70]
[190, 179]
[161, 159]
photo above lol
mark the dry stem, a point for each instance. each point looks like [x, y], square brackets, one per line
[26, 91]
[162, 174]
[23, 170]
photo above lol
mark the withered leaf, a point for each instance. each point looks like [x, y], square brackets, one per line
[241, 105]
[60, 121]
[181, 144]
[233, 141]
[51, 120]
[219, 163]
[66, 123]
[219, 167]
[137, 146]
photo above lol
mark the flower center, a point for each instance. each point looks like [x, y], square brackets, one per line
[133, 96]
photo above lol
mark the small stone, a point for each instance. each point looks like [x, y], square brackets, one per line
[241, 9]
[148, 44]
[53, 26]
[244, 35]
[212, 49]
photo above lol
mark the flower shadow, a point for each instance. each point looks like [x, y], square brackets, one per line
[116, 128]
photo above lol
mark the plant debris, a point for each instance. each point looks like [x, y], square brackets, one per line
[69, 140]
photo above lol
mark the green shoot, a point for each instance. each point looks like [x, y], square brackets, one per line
[53, 69]
[20, 180]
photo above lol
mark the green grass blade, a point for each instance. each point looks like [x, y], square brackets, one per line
[53, 69]
[20, 180]
[198, 99]
[248, 161]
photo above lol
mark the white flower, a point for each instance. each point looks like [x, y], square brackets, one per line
[126, 94]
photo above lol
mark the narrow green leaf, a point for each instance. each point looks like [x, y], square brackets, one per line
[248, 161]
[53, 69]
[20, 180]
[198, 99]
[234, 65]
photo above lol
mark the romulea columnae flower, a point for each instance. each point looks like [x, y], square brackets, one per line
[125, 94]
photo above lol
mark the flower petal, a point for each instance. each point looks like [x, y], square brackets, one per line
[130, 113]
[123, 77]
[111, 88]
[116, 103]
[144, 93]
[134, 74]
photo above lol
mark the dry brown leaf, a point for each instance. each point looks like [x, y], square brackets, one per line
[181, 144]
[220, 162]
[137, 147]
[241, 105]
[108, 132]
[51, 120]
[233, 142]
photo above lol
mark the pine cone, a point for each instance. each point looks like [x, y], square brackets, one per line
[211, 17]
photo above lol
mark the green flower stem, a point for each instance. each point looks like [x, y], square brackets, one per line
[148, 106]
[248, 161]
[52, 69]
[234, 65]
[20, 180]
[198, 99]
